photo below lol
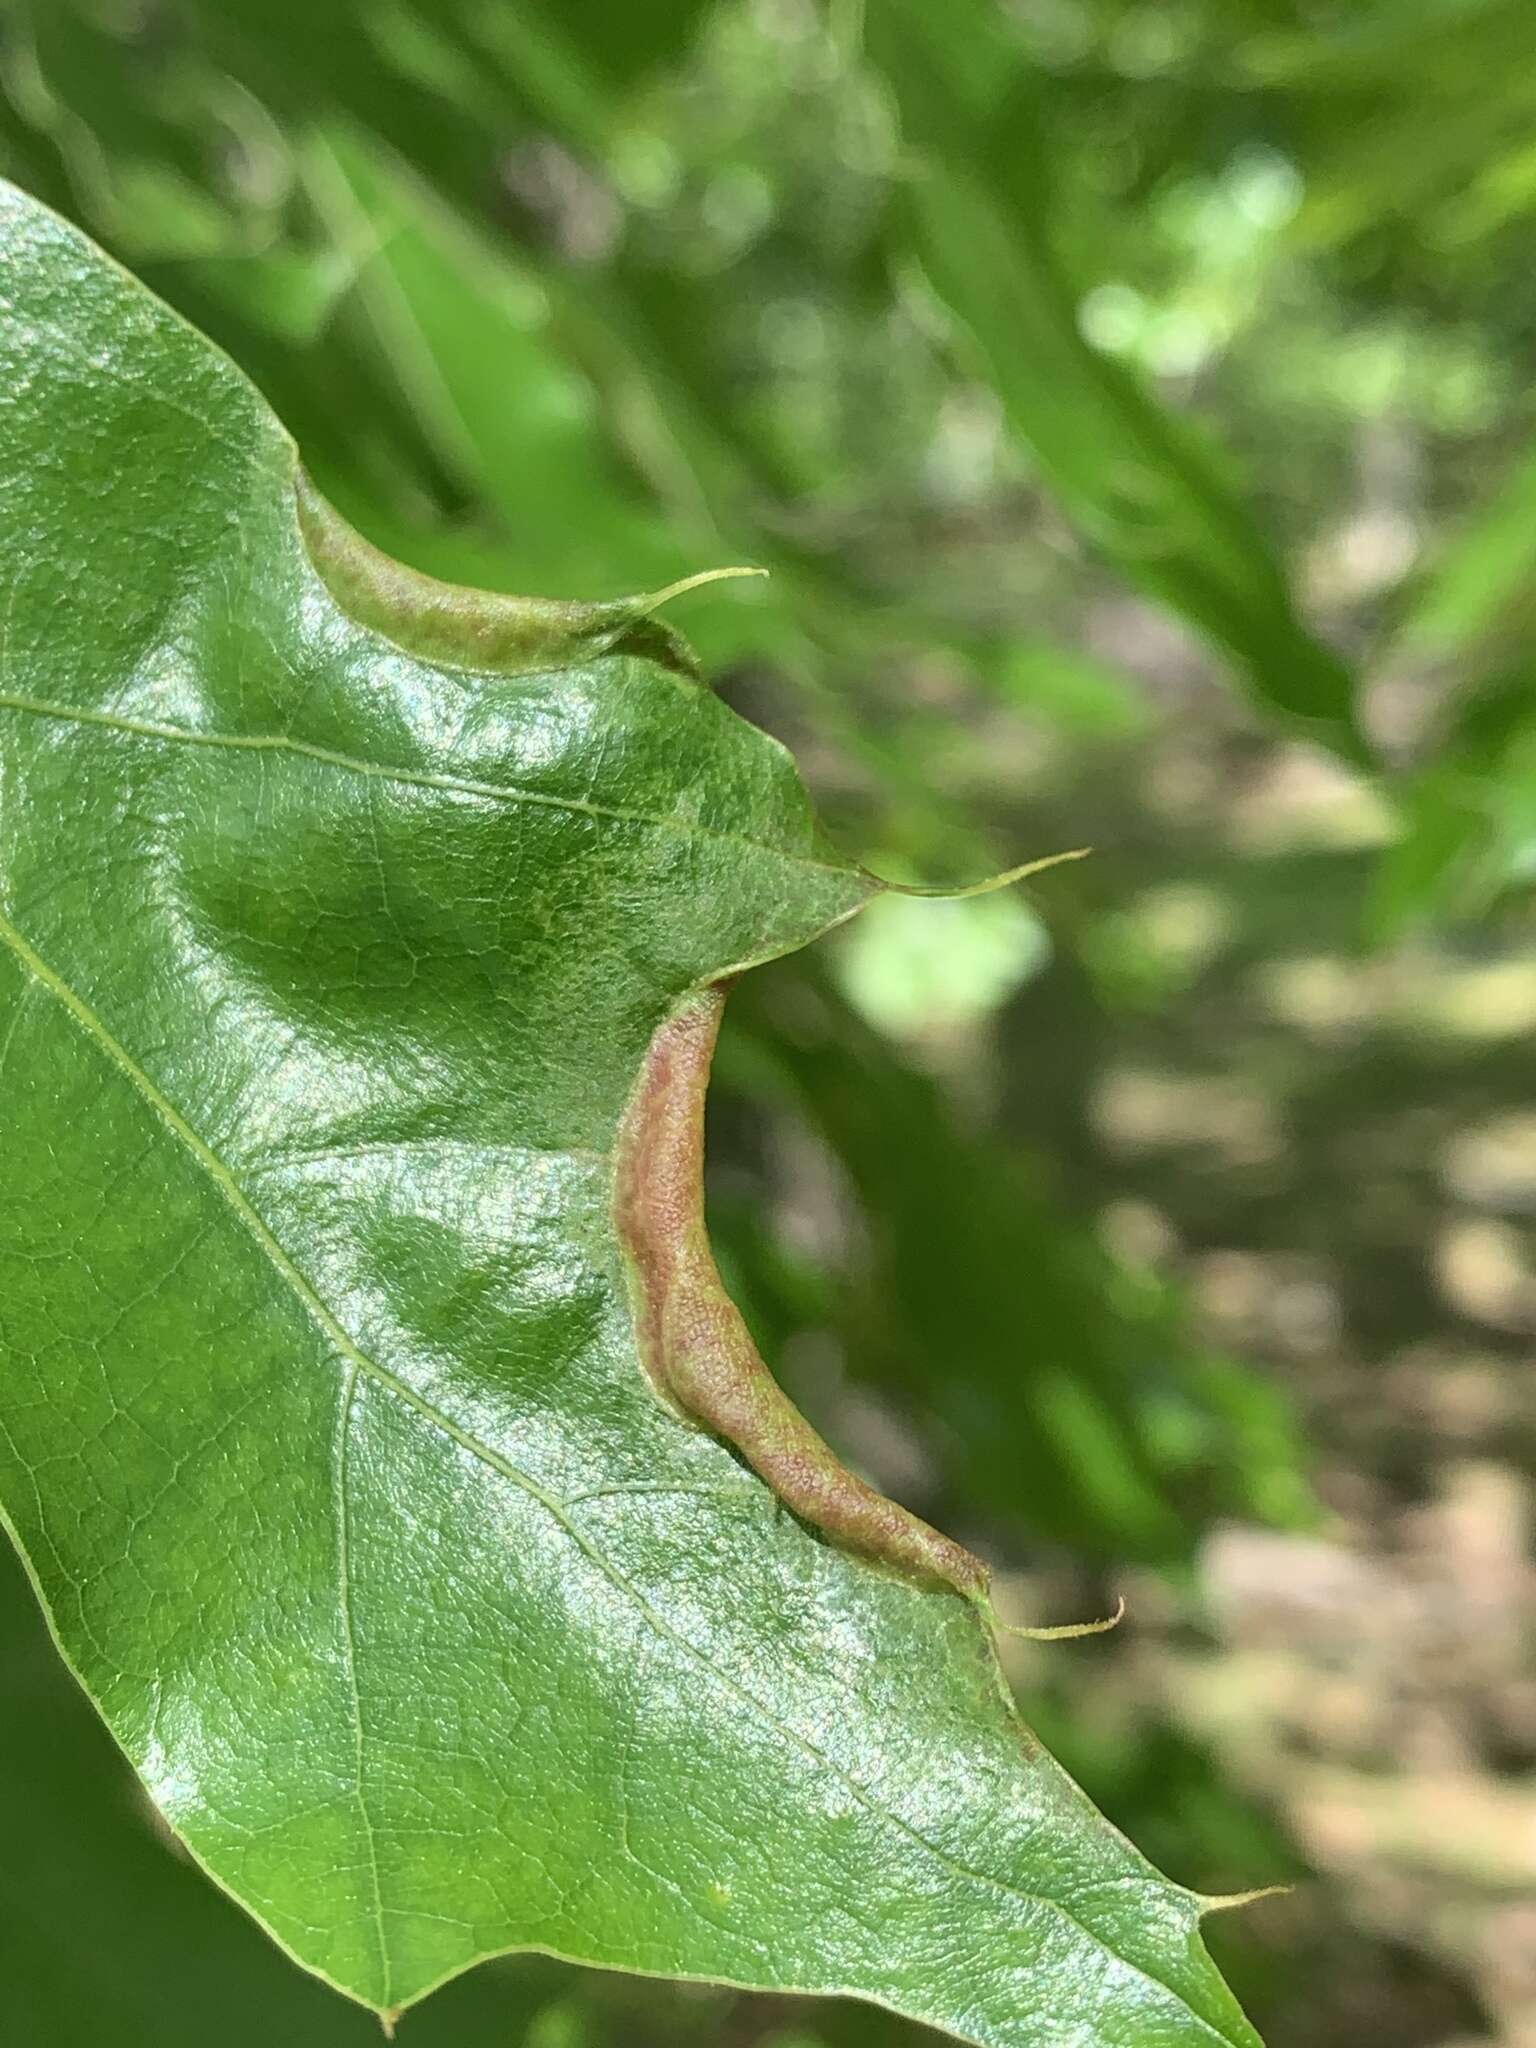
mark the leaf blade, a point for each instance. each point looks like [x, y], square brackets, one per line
[324, 1432]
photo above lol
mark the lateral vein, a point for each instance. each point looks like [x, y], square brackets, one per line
[418, 778]
[349, 1647]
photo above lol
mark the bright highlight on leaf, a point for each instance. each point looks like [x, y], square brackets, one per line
[340, 913]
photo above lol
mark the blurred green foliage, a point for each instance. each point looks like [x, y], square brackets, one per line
[1129, 399]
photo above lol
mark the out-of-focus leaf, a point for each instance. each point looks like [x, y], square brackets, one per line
[911, 966]
[1066, 688]
[1138, 481]
[496, 377]
[1064, 1393]
[467, 336]
[1395, 110]
[1469, 817]
[1482, 579]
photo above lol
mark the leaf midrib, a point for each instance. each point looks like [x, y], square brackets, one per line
[359, 1361]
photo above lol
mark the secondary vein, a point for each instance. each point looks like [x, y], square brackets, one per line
[349, 1647]
[419, 778]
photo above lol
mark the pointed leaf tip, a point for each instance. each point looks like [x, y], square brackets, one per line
[1228, 1902]
[1066, 1631]
[940, 892]
[653, 600]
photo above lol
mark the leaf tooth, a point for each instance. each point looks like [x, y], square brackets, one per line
[453, 625]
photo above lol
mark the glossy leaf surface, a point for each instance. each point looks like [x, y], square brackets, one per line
[327, 971]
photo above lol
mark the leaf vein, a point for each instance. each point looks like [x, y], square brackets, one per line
[360, 1362]
[349, 1645]
[418, 778]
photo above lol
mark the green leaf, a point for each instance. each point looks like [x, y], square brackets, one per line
[107, 1933]
[332, 955]
[1468, 816]
[1480, 583]
[1141, 483]
[1136, 480]
[466, 331]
